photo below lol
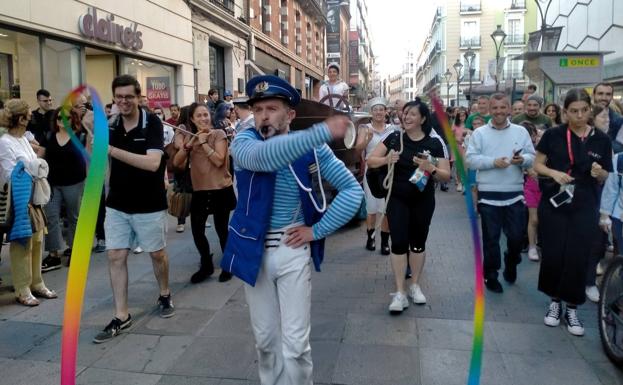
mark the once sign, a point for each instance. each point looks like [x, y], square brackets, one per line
[576, 62]
[106, 30]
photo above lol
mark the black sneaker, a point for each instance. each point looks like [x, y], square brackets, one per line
[50, 263]
[112, 329]
[166, 306]
[100, 247]
[494, 285]
[202, 274]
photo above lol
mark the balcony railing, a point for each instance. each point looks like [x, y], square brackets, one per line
[519, 39]
[465, 77]
[514, 74]
[470, 6]
[227, 5]
[432, 83]
[470, 42]
[518, 4]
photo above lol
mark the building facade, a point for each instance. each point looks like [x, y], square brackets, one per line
[592, 26]
[220, 42]
[287, 39]
[92, 43]
[360, 55]
[462, 25]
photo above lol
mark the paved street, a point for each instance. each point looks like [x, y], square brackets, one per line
[354, 339]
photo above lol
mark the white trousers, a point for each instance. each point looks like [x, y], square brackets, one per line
[280, 305]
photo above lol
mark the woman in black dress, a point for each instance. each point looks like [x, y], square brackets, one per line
[409, 208]
[577, 158]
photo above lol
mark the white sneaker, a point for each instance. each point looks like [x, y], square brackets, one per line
[416, 295]
[592, 293]
[459, 187]
[552, 318]
[138, 250]
[399, 303]
[208, 224]
[179, 228]
[574, 326]
[533, 254]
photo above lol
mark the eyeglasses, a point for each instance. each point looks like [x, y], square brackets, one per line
[127, 98]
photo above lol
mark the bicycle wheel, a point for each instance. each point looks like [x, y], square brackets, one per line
[611, 311]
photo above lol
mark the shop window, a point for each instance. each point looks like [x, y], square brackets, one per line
[217, 69]
[157, 80]
[20, 66]
[61, 67]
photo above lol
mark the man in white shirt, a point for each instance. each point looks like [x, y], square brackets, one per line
[334, 86]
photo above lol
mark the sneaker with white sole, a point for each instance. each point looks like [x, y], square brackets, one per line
[415, 292]
[552, 318]
[179, 229]
[592, 293]
[574, 326]
[459, 187]
[533, 254]
[399, 303]
[138, 250]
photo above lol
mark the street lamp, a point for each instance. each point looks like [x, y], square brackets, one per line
[469, 59]
[498, 37]
[458, 66]
[447, 75]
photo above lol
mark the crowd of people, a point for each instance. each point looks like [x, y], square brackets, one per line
[549, 177]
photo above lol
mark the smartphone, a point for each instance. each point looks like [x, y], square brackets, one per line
[563, 197]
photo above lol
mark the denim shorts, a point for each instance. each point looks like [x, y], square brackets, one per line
[127, 231]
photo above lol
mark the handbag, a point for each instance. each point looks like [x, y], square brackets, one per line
[375, 178]
[180, 195]
[179, 204]
[6, 218]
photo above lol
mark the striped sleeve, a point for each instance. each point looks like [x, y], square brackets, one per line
[349, 196]
[270, 155]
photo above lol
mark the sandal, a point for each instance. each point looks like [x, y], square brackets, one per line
[45, 293]
[28, 300]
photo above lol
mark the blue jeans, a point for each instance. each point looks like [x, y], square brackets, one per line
[617, 234]
[512, 220]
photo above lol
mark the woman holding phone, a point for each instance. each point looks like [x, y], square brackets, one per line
[576, 160]
[410, 206]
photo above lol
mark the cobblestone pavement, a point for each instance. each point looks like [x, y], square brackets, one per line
[354, 339]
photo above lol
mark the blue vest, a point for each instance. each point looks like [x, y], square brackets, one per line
[251, 219]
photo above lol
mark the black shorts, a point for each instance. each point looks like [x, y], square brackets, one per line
[409, 221]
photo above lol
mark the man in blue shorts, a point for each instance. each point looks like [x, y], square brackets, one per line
[136, 203]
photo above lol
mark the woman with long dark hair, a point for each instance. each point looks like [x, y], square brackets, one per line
[460, 132]
[213, 191]
[411, 204]
[553, 111]
[576, 159]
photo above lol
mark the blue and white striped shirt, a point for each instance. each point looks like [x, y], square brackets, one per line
[275, 154]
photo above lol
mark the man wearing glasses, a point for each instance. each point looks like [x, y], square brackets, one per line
[136, 203]
[40, 122]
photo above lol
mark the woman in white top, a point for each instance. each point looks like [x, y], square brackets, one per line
[334, 86]
[25, 257]
[368, 137]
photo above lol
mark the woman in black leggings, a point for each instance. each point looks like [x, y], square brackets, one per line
[213, 191]
[410, 207]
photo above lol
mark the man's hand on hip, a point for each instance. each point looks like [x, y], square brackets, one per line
[298, 236]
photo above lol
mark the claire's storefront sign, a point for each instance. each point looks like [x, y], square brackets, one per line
[105, 29]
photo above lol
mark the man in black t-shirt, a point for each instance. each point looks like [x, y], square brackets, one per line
[40, 122]
[136, 203]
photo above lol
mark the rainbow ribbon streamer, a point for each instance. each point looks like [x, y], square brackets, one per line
[479, 295]
[85, 230]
